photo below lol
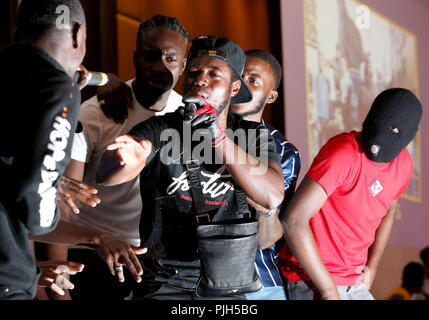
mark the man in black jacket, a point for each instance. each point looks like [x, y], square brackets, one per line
[39, 113]
[37, 122]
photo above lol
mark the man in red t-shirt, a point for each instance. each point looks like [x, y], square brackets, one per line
[340, 219]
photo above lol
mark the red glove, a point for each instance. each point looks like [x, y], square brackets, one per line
[205, 117]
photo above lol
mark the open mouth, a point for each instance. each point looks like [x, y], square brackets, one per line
[197, 93]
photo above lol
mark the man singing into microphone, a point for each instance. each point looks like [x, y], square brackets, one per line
[225, 173]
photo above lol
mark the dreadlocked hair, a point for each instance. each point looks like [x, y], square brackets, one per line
[160, 21]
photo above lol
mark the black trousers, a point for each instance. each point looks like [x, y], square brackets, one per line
[8, 293]
[95, 280]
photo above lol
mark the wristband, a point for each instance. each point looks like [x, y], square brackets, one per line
[267, 215]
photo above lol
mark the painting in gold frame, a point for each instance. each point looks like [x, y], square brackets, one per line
[352, 54]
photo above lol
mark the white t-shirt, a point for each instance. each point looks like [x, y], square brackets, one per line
[118, 213]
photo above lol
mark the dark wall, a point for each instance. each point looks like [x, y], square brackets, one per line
[4, 23]
[101, 51]
[8, 13]
[278, 107]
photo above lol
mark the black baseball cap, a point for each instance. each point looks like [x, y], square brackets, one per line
[228, 51]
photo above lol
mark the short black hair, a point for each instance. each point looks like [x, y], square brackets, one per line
[37, 18]
[160, 21]
[234, 75]
[271, 60]
[413, 275]
[424, 255]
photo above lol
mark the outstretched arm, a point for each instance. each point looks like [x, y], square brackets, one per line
[123, 160]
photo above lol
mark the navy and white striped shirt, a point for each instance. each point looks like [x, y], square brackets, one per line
[266, 260]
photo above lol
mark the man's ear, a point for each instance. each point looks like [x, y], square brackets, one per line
[184, 61]
[272, 96]
[77, 31]
[236, 85]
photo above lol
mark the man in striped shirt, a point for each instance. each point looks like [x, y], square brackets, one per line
[262, 73]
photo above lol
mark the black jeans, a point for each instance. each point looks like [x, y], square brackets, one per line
[9, 293]
[95, 280]
[301, 290]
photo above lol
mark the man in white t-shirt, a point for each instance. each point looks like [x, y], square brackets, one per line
[159, 60]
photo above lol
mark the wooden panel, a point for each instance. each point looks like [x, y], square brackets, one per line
[234, 19]
[93, 52]
[108, 29]
[130, 8]
[8, 20]
[127, 36]
[4, 23]
[276, 111]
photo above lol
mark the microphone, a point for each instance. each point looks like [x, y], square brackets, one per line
[98, 78]
[79, 127]
[192, 104]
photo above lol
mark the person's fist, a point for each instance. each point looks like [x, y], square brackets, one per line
[203, 116]
[84, 77]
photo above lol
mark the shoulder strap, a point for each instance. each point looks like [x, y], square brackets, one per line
[193, 167]
[241, 198]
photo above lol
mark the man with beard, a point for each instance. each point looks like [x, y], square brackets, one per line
[159, 60]
[263, 73]
[181, 188]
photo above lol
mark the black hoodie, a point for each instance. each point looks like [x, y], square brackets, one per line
[38, 117]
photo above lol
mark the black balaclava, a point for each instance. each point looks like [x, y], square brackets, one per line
[391, 124]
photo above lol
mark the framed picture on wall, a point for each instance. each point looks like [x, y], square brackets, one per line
[352, 54]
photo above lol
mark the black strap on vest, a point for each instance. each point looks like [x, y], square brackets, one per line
[193, 167]
[241, 198]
